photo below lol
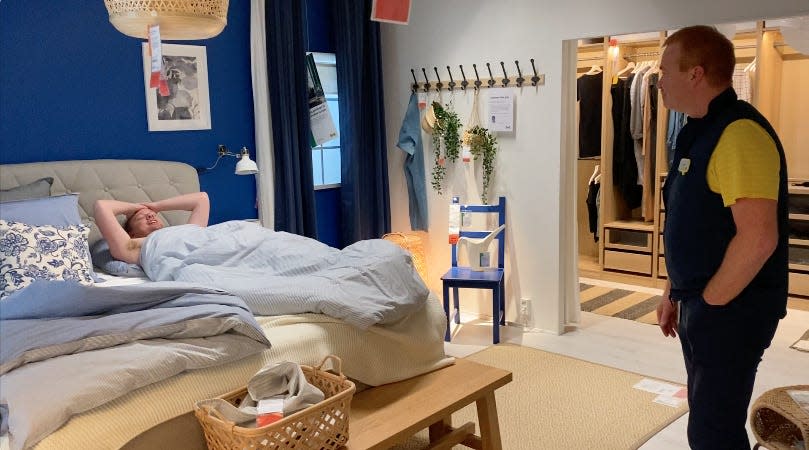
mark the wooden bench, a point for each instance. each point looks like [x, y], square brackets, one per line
[390, 414]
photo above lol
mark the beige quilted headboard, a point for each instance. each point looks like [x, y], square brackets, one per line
[128, 180]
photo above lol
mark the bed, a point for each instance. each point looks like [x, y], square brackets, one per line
[159, 415]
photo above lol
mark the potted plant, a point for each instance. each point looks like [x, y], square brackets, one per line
[446, 130]
[482, 143]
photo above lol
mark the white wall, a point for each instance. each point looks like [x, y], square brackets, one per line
[540, 255]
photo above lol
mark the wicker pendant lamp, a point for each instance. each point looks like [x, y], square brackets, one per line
[179, 20]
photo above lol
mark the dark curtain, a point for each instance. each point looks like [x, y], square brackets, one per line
[289, 108]
[365, 202]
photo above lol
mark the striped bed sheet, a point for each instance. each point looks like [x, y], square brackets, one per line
[378, 355]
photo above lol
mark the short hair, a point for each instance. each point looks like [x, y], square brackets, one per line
[704, 46]
[128, 225]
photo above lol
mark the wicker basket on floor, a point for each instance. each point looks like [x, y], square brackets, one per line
[778, 422]
[321, 426]
[413, 244]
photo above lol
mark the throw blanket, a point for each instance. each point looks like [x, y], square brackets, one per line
[66, 348]
[366, 283]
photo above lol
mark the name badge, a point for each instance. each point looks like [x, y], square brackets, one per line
[685, 164]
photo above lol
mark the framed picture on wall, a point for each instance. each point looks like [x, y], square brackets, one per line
[187, 105]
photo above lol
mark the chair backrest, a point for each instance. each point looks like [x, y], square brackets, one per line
[500, 210]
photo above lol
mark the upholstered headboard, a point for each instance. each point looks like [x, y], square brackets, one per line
[128, 180]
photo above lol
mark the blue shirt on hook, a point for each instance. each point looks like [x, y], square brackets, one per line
[410, 142]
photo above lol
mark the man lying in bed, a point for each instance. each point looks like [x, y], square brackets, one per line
[141, 220]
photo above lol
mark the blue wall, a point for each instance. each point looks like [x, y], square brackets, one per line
[71, 87]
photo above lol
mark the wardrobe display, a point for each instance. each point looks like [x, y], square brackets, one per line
[638, 132]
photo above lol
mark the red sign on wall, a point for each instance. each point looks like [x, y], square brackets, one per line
[393, 11]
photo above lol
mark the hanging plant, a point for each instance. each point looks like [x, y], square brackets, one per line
[447, 131]
[482, 143]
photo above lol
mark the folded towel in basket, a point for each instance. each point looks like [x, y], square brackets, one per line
[284, 378]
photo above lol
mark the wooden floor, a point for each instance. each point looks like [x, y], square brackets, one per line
[589, 268]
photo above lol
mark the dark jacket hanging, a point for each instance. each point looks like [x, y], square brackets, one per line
[624, 166]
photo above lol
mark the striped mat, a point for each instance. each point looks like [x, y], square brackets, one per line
[621, 303]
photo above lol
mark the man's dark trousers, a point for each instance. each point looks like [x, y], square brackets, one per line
[722, 347]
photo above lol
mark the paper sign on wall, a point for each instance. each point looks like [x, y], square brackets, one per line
[501, 109]
[392, 11]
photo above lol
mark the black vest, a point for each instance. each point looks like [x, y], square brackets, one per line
[699, 227]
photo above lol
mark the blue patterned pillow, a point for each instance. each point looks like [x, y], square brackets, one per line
[29, 253]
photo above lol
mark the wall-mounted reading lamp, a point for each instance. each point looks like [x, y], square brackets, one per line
[245, 166]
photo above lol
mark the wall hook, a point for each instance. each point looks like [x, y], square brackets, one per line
[451, 81]
[426, 80]
[520, 79]
[506, 81]
[491, 78]
[477, 78]
[535, 78]
[438, 84]
[464, 83]
[415, 81]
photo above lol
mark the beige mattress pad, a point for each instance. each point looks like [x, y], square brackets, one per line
[379, 355]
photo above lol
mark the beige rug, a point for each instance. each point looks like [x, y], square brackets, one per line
[557, 402]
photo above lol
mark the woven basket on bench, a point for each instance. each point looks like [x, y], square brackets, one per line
[321, 426]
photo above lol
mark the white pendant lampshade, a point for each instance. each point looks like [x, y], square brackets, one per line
[246, 166]
[179, 20]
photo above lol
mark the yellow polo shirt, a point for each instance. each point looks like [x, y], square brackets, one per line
[745, 163]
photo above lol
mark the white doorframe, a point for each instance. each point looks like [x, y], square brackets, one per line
[570, 309]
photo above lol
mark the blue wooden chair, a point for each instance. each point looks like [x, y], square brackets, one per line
[493, 278]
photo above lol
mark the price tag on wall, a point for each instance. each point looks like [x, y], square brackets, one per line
[158, 78]
[501, 109]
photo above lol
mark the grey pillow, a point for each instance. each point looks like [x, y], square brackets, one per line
[102, 258]
[37, 189]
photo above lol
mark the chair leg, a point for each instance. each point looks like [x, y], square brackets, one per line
[502, 302]
[446, 310]
[456, 302]
[496, 314]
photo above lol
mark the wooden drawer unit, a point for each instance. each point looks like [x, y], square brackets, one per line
[799, 283]
[660, 245]
[627, 261]
[624, 239]
[662, 220]
[661, 267]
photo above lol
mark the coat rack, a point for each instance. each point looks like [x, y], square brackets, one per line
[538, 79]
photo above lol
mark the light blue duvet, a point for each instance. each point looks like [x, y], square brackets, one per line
[366, 283]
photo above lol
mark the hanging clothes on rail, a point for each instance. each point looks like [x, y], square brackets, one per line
[588, 93]
[637, 99]
[624, 166]
[676, 123]
[741, 83]
[593, 201]
[649, 145]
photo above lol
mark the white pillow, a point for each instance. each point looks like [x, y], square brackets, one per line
[29, 253]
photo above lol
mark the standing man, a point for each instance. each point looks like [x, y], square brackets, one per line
[725, 236]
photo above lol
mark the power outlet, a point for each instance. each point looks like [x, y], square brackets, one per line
[525, 311]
